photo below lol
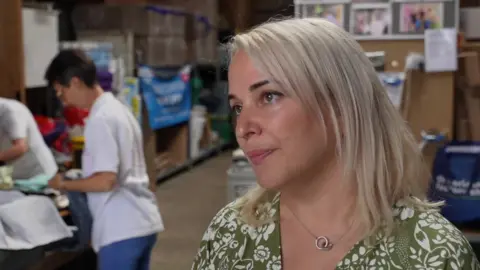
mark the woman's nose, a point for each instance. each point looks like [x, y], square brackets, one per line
[247, 125]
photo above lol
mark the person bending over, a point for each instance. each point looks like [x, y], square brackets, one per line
[125, 215]
[22, 145]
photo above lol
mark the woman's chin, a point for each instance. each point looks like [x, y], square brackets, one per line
[272, 183]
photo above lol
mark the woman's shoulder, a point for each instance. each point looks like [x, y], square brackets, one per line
[229, 214]
[421, 239]
[225, 240]
[433, 241]
[232, 211]
[419, 223]
[229, 219]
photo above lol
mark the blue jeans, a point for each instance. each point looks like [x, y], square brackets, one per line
[130, 254]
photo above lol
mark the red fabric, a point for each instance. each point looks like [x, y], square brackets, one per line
[74, 116]
[45, 124]
[49, 128]
[62, 143]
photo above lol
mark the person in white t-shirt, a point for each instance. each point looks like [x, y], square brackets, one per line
[125, 215]
[22, 145]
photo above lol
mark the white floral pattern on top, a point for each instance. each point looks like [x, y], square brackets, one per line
[423, 240]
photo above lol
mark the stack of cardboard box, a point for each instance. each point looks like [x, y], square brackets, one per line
[161, 38]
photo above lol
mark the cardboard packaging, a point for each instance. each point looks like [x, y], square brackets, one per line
[205, 44]
[469, 68]
[161, 51]
[205, 7]
[148, 22]
[134, 18]
[98, 18]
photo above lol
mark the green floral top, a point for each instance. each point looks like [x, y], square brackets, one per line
[426, 241]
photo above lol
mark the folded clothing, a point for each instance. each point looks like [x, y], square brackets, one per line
[38, 185]
[35, 184]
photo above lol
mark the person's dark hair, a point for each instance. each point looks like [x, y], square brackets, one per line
[68, 64]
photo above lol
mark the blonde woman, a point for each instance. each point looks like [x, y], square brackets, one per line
[340, 176]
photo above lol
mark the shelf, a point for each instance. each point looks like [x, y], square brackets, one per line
[207, 153]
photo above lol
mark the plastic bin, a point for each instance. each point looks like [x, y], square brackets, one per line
[241, 179]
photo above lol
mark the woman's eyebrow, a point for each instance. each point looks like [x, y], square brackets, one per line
[252, 87]
[259, 84]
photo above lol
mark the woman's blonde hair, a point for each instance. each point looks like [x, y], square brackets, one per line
[322, 65]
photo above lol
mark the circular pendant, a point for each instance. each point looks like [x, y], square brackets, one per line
[322, 243]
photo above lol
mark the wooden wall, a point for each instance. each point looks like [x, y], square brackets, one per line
[431, 98]
[11, 49]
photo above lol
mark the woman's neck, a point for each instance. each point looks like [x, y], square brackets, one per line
[327, 195]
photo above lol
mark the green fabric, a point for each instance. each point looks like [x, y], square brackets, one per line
[197, 86]
[424, 240]
[34, 184]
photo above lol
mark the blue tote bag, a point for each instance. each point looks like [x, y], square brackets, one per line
[168, 100]
[456, 180]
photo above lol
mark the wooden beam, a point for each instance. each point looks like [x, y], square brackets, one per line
[11, 50]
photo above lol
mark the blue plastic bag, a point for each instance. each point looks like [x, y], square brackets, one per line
[456, 180]
[168, 100]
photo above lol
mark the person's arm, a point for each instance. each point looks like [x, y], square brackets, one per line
[19, 147]
[16, 129]
[101, 148]
[99, 182]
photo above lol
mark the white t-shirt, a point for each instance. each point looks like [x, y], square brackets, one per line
[17, 122]
[113, 143]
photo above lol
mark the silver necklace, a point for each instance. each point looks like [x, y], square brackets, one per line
[322, 243]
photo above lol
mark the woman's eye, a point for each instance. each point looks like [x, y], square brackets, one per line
[270, 97]
[236, 109]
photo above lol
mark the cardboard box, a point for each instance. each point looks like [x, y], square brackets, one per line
[469, 69]
[472, 105]
[205, 7]
[149, 22]
[206, 50]
[134, 18]
[98, 18]
[160, 51]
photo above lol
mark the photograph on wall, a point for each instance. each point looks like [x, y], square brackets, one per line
[373, 21]
[331, 12]
[417, 17]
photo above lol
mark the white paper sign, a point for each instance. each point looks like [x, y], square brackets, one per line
[40, 43]
[441, 50]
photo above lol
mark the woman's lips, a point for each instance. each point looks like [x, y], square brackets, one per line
[258, 156]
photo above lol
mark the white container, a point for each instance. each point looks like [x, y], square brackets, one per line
[196, 124]
[241, 179]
